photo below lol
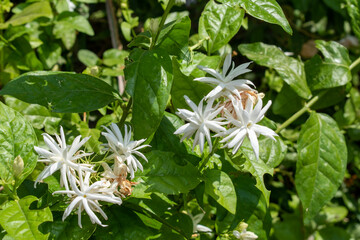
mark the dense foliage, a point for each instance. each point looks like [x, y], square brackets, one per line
[144, 119]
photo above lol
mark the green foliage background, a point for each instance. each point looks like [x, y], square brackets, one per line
[64, 66]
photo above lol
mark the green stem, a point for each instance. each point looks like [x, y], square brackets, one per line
[354, 64]
[207, 158]
[146, 212]
[198, 44]
[162, 22]
[125, 112]
[300, 112]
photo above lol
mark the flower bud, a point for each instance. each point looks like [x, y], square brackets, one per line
[18, 166]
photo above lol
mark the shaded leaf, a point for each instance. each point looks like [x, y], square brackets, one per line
[165, 175]
[184, 85]
[322, 158]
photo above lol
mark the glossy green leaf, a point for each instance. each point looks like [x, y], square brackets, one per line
[251, 207]
[174, 38]
[333, 70]
[69, 229]
[20, 222]
[29, 13]
[61, 91]
[265, 10]
[123, 224]
[40, 117]
[272, 152]
[322, 158]
[17, 138]
[219, 23]
[290, 69]
[167, 176]
[191, 69]
[220, 187]
[184, 85]
[88, 58]
[352, 7]
[149, 80]
[257, 168]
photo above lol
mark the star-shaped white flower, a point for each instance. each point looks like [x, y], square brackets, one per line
[201, 121]
[223, 82]
[123, 149]
[245, 125]
[87, 197]
[61, 156]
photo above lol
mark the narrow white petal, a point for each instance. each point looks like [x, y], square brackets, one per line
[254, 142]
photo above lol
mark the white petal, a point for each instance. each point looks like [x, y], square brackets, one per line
[254, 142]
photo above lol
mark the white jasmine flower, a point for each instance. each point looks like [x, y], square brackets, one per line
[245, 125]
[245, 235]
[123, 149]
[87, 198]
[117, 179]
[63, 157]
[223, 82]
[201, 121]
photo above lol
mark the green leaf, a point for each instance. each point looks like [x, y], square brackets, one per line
[123, 224]
[39, 117]
[332, 233]
[184, 85]
[174, 38]
[322, 158]
[352, 7]
[290, 69]
[20, 222]
[88, 58]
[333, 70]
[93, 144]
[265, 10]
[30, 13]
[220, 187]
[149, 80]
[219, 23]
[272, 152]
[49, 54]
[191, 69]
[61, 91]
[166, 175]
[251, 207]
[291, 228]
[69, 229]
[17, 138]
[287, 102]
[72, 20]
[257, 168]
[113, 57]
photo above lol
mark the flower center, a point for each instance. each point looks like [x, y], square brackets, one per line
[249, 124]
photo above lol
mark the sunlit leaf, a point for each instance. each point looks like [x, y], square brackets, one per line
[322, 158]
